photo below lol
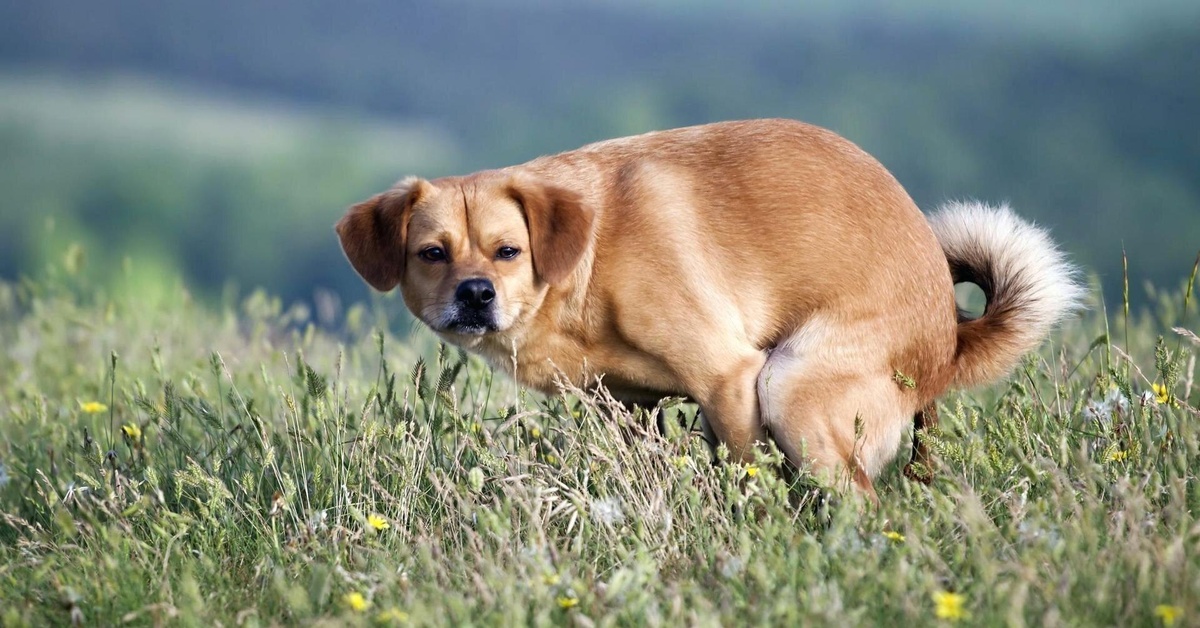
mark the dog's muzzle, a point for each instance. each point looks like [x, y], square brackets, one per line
[474, 309]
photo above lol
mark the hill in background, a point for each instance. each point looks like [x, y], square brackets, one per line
[246, 127]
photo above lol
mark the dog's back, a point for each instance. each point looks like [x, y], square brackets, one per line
[768, 222]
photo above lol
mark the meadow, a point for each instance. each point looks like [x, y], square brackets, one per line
[178, 449]
[170, 461]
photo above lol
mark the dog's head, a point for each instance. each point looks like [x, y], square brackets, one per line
[472, 255]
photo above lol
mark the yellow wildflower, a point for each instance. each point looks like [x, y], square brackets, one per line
[1117, 455]
[1161, 394]
[378, 522]
[950, 606]
[132, 431]
[751, 470]
[392, 616]
[1168, 613]
[355, 601]
[535, 432]
[893, 536]
[475, 428]
[567, 602]
[93, 407]
[551, 459]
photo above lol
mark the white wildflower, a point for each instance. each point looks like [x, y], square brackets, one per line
[317, 521]
[1033, 534]
[1103, 411]
[607, 511]
[732, 566]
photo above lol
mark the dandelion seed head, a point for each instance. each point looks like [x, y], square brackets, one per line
[607, 511]
[318, 520]
[732, 566]
[1113, 404]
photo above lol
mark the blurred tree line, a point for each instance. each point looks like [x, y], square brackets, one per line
[1096, 136]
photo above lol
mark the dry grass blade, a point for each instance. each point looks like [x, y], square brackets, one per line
[570, 510]
[1187, 334]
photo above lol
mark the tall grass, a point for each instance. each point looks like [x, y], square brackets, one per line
[176, 463]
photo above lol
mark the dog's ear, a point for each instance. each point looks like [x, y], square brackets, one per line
[373, 233]
[560, 227]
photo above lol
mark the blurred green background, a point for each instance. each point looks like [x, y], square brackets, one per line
[146, 142]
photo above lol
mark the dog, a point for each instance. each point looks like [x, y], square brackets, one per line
[769, 270]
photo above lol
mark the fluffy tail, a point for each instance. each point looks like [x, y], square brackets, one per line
[1029, 285]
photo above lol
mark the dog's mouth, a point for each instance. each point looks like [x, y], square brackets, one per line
[471, 330]
[471, 323]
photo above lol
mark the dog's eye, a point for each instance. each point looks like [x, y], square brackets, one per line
[507, 252]
[433, 254]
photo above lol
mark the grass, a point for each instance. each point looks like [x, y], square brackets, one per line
[177, 463]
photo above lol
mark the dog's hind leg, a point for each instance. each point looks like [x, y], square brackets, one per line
[830, 400]
[920, 467]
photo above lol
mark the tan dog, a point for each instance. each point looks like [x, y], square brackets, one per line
[769, 270]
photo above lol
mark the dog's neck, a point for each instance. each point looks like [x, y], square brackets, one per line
[526, 356]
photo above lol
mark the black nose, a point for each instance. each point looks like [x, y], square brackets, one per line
[475, 293]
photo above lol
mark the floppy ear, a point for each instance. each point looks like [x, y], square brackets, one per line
[560, 227]
[373, 233]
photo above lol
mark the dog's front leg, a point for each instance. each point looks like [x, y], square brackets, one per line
[729, 401]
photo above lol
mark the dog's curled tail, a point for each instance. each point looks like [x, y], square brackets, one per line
[1028, 282]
